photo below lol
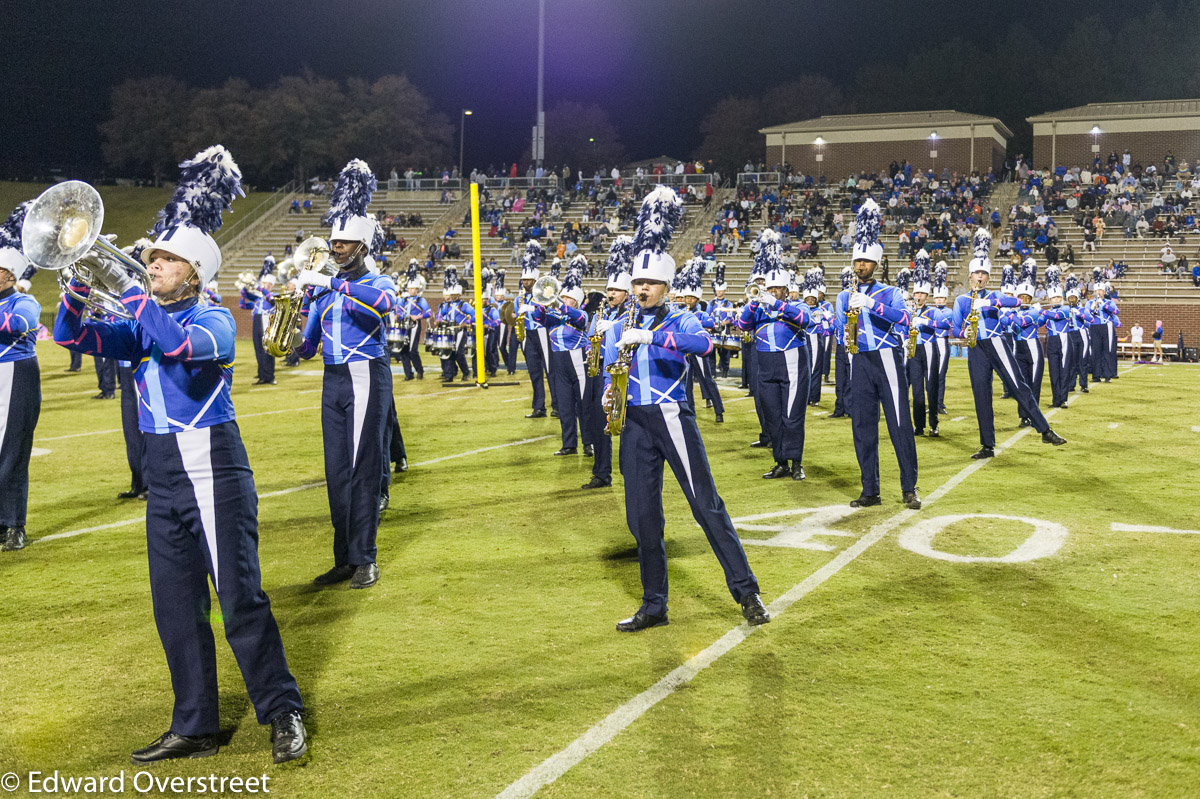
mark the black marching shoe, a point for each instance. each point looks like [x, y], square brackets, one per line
[420, 375]
[911, 500]
[720, 418]
[920, 431]
[289, 739]
[641, 621]
[589, 450]
[983, 453]
[836, 415]
[797, 471]
[760, 444]
[753, 611]
[536, 415]
[942, 410]
[934, 432]
[105, 395]
[1062, 404]
[1084, 390]
[567, 451]
[170, 746]
[865, 501]
[130, 494]
[1051, 437]
[338, 574]
[596, 482]
[1024, 423]
[384, 501]
[365, 576]
[407, 378]
[402, 465]
[553, 413]
[777, 471]
[12, 539]
[708, 403]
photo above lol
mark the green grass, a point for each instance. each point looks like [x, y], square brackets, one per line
[488, 645]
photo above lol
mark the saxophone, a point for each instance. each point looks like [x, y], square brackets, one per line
[277, 338]
[618, 371]
[520, 327]
[851, 335]
[595, 345]
[913, 333]
[973, 322]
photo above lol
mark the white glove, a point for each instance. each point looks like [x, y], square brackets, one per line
[526, 308]
[979, 305]
[636, 336]
[859, 300]
[1037, 306]
[311, 277]
[111, 273]
[604, 325]
[606, 400]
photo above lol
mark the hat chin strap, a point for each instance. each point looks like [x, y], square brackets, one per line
[183, 291]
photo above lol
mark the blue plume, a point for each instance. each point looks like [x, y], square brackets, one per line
[499, 278]
[770, 253]
[29, 272]
[556, 268]
[940, 273]
[981, 245]
[579, 262]
[352, 193]
[574, 277]
[1097, 275]
[719, 275]
[921, 276]
[1072, 284]
[620, 256]
[449, 278]
[661, 213]
[533, 255]
[208, 185]
[866, 224]
[1029, 271]
[813, 279]
[10, 231]
[1008, 278]
[904, 280]
[410, 273]
[1053, 277]
[847, 277]
[377, 239]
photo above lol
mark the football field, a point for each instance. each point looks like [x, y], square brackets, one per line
[1031, 631]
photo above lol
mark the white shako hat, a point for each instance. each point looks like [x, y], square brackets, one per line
[1008, 280]
[208, 184]
[866, 233]
[661, 213]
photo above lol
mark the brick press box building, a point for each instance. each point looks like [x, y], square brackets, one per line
[837, 145]
[1149, 130]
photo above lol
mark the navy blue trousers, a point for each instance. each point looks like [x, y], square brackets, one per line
[568, 376]
[508, 348]
[1111, 350]
[76, 361]
[748, 365]
[201, 525]
[700, 367]
[922, 379]
[266, 364]
[723, 361]
[826, 355]
[667, 433]
[1032, 364]
[877, 379]
[491, 351]
[814, 367]
[394, 446]
[1058, 358]
[355, 400]
[1078, 369]
[596, 420]
[943, 355]
[537, 345]
[106, 374]
[20, 406]
[783, 379]
[410, 357]
[457, 361]
[841, 381]
[135, 442]
[995, 355]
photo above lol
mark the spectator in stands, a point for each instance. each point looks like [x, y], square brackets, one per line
[1196, 274]
[1068, 257]
[294, 208]
[1142, 227]
[1183, 268]
[1157, 338]
[1051, 255]
[1166, 259]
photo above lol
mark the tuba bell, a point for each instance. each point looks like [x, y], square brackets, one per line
[313, 253]
[546, 291]
[62, 233]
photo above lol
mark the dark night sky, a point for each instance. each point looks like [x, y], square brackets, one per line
[656, 66]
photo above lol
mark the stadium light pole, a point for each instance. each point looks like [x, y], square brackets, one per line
[1095, 131]
[820, 144]
[933, 138]
[462, 135]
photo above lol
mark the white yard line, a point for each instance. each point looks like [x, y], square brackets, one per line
[1145, 528]
[1113, 425]
[560, 763]
[958, 418]
[282, 492]
[1196, 428]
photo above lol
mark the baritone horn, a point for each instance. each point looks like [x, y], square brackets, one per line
[313, 253]
[546, 291]
[62, 233]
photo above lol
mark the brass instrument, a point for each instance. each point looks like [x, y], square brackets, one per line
[595, 345]
[618, 371]
[755, 293]
[973, 322]
[520, 328]
[61, 232]
[277, 338]
[546, 291]
[851, 334]
[913, 333]
[244, 281]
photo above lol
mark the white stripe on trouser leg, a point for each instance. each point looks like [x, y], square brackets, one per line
[889, 369]
[195, 450]
[998, 346]
[814, 347]
[544, 343]
[792, 359]
[670, 412]
[577, 362]
[360, 382]
[1035, 356]
[6, 381]
[1066, 347]
[927, 348]
[1110, 335]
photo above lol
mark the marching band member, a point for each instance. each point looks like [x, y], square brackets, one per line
[459, 315]
[491, 326]
[877, 376]
[758, 277]
[722, 311]
[617, 291]
[268, 266]
[661, 426]
[1008, 287]
[691, 289]
[812, 333]
[565, 327]
[923, 366]
[415, 308]
[1079, 320]
[825, 332]
[264, 305]
[201, 518]
[20, 383]
[1058, 348]
[841, 358]
[506, 336]
[1102, 333]
[212, 293]
[345, 321]
[781, 359]
[993, 354]
[536, 344]
[1026, 323]
[941, 295]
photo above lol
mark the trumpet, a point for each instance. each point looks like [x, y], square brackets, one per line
[244, 281]
[61, 232]
[277, 338]
[755, 293]
[851, 335]
[618, 371]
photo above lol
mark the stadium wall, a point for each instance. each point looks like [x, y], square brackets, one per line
[843, 158]
[1175, 318]
[1148, 141]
